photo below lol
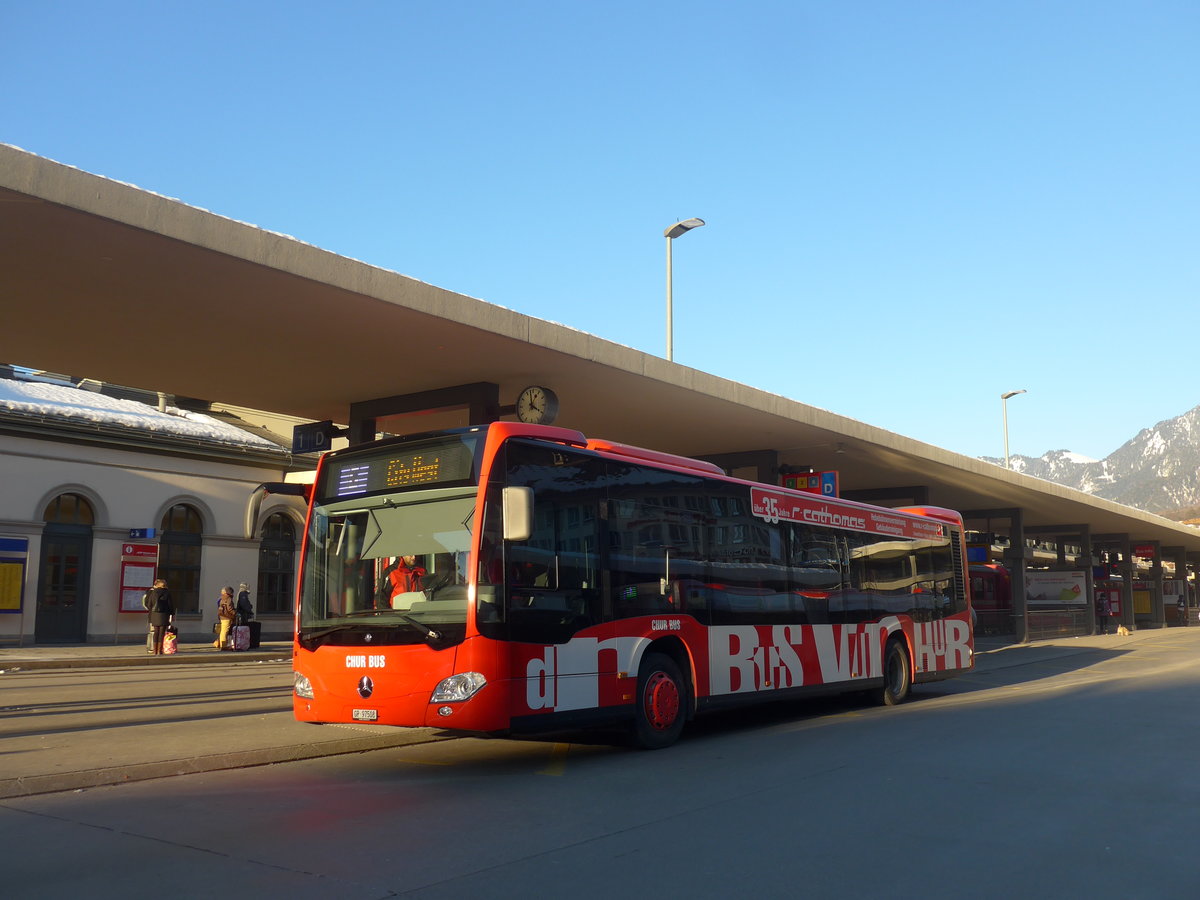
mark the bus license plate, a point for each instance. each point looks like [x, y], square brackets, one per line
[365, 715]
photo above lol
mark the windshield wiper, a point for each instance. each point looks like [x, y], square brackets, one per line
[430, 634]
[323, 633]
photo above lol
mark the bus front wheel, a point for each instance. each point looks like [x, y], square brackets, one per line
[661, 703]
[897, 676]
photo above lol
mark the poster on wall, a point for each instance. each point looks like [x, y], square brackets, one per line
[138, 565]
[14, 553]
[1141, 598]
[1174, 591]
[1057, 588]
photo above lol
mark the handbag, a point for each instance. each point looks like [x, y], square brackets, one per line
[217, 627]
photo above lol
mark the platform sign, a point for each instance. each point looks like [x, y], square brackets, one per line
[823, 483]
[14, 554]
[139, 562]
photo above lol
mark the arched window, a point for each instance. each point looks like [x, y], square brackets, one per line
[69, 509]
[179, 555]
[276, 564]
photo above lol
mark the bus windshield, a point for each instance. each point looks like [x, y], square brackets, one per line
[388, 569]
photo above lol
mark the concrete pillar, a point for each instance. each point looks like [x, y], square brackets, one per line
[1088, 562]
[1158, 614]
[1016, 559]
[1128, 570]
[1177, 556]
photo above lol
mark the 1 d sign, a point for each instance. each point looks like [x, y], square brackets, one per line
[315, 437]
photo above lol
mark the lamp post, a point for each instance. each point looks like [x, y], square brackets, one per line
[1004, 406]
[670, 234]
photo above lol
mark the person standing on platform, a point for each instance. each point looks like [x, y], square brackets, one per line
[245, 609]
[226, 612]
[162, 612]
[1103, 611]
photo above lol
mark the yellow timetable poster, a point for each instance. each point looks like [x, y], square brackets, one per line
[1141, 603]
[12, 579]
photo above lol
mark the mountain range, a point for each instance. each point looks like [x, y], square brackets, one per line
[1158, 470]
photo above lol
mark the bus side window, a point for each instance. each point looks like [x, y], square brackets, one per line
[655, 556]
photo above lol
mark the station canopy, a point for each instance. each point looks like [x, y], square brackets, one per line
[104, 280]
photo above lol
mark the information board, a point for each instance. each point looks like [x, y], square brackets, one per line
[139, 562]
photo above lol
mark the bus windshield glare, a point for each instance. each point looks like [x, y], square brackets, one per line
[356, 545]
[387, 544]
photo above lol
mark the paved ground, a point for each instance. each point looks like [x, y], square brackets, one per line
[48, 746]
[80, 716]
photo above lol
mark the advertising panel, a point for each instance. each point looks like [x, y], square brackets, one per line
[1057, 588]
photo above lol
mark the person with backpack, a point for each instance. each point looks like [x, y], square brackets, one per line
[245, 609]
[161, 608]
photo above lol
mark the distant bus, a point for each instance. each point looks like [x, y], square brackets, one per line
[567, 582]
[991, 598]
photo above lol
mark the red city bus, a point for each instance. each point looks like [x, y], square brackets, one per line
[564, 583]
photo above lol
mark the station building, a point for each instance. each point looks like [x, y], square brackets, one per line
[95, 476]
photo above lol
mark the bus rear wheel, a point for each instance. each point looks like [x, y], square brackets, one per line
[897, 676]
[661, 703]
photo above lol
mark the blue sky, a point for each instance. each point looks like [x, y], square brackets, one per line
[911, 207]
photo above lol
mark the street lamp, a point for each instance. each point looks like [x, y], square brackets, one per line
[1004, 405]
[670, 234]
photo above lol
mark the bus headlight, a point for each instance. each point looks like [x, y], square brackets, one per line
[302, 686]
[458, 688]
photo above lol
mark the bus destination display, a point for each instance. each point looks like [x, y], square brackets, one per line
[399, 469]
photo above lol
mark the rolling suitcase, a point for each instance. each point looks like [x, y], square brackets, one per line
[255, 633]
[239, 637]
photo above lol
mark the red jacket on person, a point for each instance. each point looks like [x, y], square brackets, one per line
[399, 580]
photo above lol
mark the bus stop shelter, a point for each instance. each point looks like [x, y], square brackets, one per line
[119, 284]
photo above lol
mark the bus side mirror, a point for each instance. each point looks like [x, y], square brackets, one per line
[518, 513]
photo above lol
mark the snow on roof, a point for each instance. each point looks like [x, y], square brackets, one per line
[87, 407]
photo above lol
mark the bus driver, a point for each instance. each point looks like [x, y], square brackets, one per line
[400, 577]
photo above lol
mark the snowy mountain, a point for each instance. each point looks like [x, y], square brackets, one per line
[1158, 470]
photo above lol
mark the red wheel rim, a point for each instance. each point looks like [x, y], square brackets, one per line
[661, 701]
